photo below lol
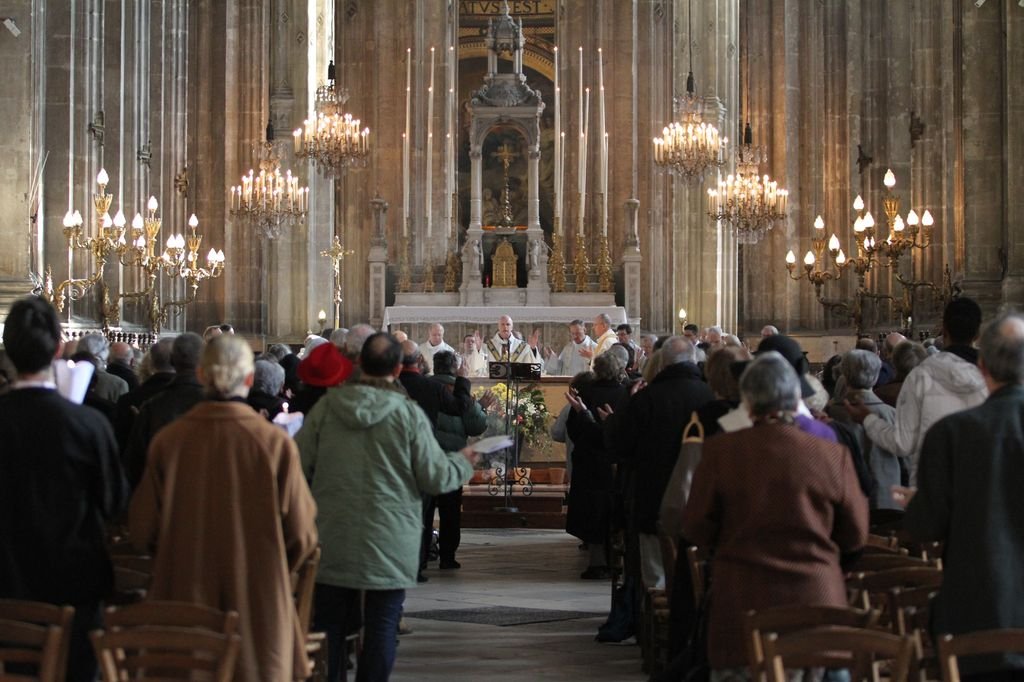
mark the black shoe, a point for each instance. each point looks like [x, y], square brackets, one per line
[596, 573]
[449, 564]
[420, 578]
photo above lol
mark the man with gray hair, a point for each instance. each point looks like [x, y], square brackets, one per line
[264, 396]
[108, 386]
[355, 339]
[645, 436]
[604, 335]
[161, 375]
[180, 395]
[434, 344]
[338, 337]
[121, 363]
[970, 477]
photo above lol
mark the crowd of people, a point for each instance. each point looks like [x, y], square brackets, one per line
[190, 446]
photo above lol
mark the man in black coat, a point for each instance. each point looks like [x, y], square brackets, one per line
[970, 478]
[122, 364]
[128, 405]
[433, 398]
[177, 398]
[645, 436]
[431, 395]
[60, 480]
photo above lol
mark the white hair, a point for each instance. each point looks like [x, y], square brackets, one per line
[227, 362]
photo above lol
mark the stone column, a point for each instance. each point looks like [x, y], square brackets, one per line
[378, 262]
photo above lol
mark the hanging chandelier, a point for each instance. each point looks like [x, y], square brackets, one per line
[748, 203]
[333, 140]
[270, 200]
[690, 146]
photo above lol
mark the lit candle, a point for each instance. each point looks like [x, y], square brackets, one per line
[430, 146]
[583, 159]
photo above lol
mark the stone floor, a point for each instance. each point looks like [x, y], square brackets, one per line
[513, 568]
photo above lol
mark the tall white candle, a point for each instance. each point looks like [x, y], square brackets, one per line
[558, 148]
[430, 145]
[405, 142]
[452, 112]
[603, 141]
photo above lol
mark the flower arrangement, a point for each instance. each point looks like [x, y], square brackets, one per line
[530, 410]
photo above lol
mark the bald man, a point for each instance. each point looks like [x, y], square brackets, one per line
[505, 347]
[434, 344]
[604, 337]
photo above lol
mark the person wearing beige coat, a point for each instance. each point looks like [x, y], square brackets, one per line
[225, 506]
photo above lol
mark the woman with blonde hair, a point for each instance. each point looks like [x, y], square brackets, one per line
[225, 506]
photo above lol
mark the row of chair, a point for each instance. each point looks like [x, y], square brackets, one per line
[143, 639]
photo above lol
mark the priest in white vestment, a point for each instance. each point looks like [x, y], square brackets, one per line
[434, 344]
[606, 337]
[505, 347]
[575, 356]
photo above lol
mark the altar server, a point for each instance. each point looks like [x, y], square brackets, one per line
[575, 356]
[434, 344]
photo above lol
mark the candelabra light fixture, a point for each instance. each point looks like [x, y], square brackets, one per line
[746, 202]
[132, 246]
[270, 200]
[690, 146]
[904, 238]
[334, 141]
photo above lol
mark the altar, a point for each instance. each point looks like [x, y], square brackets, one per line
[488, 315]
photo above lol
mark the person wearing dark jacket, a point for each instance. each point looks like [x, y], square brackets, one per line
[452, 434]
[968, 497]
[60, 481]
[180, 395]
[434, 399]
[590, 495]
[268, 380]
[128, 405]
[645, 436]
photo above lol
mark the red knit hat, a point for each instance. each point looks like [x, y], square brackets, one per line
[324, 366]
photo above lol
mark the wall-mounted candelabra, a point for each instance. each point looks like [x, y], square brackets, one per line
[904, 238]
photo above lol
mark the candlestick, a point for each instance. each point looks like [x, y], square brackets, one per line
[430, 145]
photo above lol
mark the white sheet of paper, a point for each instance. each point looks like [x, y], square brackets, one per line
[72, 379]
[289, 421]
[486, 446]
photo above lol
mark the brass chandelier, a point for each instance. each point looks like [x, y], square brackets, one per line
[691, 146]
[748, 203]
[333, 140]
[270, 200]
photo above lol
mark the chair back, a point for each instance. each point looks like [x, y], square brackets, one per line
[980, 643]
[46, 615]
[27, 645]
[857, 649]
[786, 619]
[153, 652]
[870, 562]
[697, 558]
[873, 588]
[304, 580]
[171, 614]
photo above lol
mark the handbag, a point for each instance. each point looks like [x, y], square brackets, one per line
[673, 502]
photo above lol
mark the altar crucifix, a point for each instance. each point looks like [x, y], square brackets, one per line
[337, 254]
[506, 154]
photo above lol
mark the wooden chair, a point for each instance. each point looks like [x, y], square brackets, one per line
[27, 645]
[698, 558]
[46, 615]
[889, 542]
[858, 649]
[908, 610]
[871, 562]
[169, 652]
[786, 619]
[873, 588]
[171, 614]
[303, 584]
[980, 643]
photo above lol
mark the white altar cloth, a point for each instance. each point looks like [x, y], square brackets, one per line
[408, 314]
